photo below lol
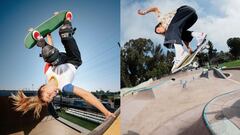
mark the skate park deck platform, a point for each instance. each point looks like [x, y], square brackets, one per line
[14, 123]
[174, 106]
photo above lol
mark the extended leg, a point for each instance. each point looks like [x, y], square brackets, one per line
[180, 56]
[187, 38]
[72, 52]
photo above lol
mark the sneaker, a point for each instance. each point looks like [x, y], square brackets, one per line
[36, 35]
[178, 61]
[66, 30]
[200, 37]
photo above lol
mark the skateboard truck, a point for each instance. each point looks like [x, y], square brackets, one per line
[55, 13]
[30, 29]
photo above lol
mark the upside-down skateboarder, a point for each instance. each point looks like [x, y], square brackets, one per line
[60, 70]
[174, 26]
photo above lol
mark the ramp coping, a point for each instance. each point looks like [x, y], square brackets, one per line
[224, 126]
[105, 125]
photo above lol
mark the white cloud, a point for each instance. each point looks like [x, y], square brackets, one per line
[218, 27]
[221, 28]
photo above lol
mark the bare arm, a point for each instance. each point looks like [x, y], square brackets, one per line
[49, 39]
[151, 9]
[92, 100]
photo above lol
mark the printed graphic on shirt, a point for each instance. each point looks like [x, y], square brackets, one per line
[64, 74]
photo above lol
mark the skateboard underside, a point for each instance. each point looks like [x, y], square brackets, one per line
[45, 28]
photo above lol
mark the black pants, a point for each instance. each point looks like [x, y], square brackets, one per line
[72, 54]
[177, 31]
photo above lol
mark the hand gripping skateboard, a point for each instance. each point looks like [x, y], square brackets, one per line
[46, 27]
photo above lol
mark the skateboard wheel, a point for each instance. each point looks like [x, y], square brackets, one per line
[36, 35]
[69, 16]
[195, 64]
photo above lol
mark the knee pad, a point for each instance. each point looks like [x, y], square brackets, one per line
[50, 54]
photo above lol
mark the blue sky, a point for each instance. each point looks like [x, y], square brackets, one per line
[97, 35]
[218, 18]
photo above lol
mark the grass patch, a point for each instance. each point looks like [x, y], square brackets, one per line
[231, 64]
[79, 121]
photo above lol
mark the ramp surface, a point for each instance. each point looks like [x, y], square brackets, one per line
[15, 123]
[222, 114]
[177, 104]
[12, 122]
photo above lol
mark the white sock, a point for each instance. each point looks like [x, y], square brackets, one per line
[178, 50]
[195, 34]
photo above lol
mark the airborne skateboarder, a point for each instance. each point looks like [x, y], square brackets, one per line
[60, 70]
[174, 26]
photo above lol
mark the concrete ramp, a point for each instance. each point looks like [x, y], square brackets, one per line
[144, 95]
[12, 122]
[233, 73]
[218, 73]
[109, 127]
[176, 107]
[15, 123]
[186, 123]
[222, 114]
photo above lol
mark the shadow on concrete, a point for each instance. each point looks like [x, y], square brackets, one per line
[131, 133]
[198, 128]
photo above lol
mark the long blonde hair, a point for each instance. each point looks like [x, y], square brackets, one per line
[24, 104]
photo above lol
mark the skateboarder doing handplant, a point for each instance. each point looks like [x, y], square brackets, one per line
[174, 26]
[59, 70]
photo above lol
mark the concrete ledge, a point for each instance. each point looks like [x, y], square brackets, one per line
[221, 114]
[233, 68]
[73, 125]
[101, 129]
[218, 73]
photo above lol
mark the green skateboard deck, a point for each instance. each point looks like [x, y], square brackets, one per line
[191, 57]
[45, 28]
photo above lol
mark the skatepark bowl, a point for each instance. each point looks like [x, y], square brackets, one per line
[14, 123]
[196, 102]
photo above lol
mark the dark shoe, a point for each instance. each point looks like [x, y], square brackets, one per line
[66, 30]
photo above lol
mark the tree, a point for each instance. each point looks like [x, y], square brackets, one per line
[211, 52]
[234, 45]
[140, 61]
